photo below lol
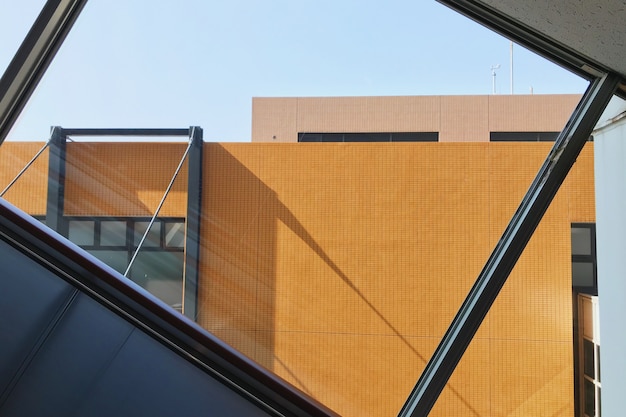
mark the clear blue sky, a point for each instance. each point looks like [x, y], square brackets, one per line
[155, 63]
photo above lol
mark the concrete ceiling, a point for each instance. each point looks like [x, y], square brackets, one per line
[593, 30]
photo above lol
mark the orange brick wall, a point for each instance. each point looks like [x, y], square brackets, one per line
[456, 118]
[340, 266]
[29, 193]
[124, 179]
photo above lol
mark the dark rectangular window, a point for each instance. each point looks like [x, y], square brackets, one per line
[523, 136]
[159, 265]
[590, 398]
[309, 137]
[415, 137]
[589, 363]
[584, 268]
[367, 137]
[370, 137]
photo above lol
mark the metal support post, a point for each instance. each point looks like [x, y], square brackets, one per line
[194, 217]
[508, 250]
[56, 180]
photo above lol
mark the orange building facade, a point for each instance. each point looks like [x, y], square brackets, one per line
[339, 266]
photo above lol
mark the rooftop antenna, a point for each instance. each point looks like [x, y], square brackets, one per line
[493, 75]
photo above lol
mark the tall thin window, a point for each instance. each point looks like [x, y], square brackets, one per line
[584, 269]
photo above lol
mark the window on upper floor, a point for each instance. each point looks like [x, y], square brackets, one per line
[370, 137]
[523, 136]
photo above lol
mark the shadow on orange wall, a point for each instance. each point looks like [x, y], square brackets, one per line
[246, 299]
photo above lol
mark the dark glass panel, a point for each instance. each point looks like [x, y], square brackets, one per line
[116, 259]
[581, 241]
[582, 274]
[590, 398]
[332, 137]
[113, 233]
[588, 358]
[153, 240]
[175, 235]
[81, 232]
[415, 137]
[161, 273]
[309, 137]
[366, 137]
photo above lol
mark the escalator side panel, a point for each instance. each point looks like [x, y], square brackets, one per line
[95, 363]
[70, 361]
[148, 379]
[30, 298]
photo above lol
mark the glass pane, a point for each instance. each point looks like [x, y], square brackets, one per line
[175, 235]
[309, 137]
[332, 137]
[112, 233]
[598, 359]
[367, 137]
[590, 398]
[161, 273]
[81, 232]
[582, 274]
[581, 241]
[116, 259]
[415, 137]
[154, 236]
[588, 358]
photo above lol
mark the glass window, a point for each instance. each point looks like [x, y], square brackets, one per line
[309, 137]
[581, 241]
[367, 137]
[153, 240]
[590, 398]
[415, 137]
[175, 235]
[598, 360]
[582, 274]
[113, 233]
[161, 273]
[588, 358]
[81, 232]
[116, 259]
[159, 265]
[370, 137]
[523, 136]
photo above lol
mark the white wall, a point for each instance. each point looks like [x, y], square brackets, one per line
[610, 180]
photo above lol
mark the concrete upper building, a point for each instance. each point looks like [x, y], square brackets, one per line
[443, 118]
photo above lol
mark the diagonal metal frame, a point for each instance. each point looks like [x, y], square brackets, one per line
[57, 18]
[565, 56]
[511, 245]
[33, 58]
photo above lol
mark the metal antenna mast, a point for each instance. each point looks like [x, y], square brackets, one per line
[493, 75]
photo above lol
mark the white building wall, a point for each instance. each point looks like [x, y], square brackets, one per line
[610, 183]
